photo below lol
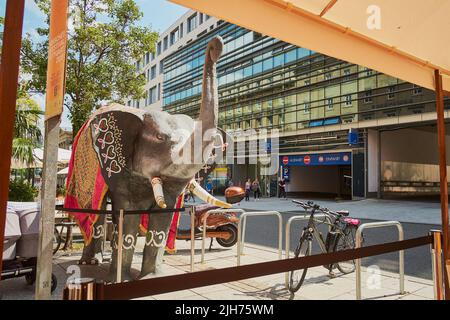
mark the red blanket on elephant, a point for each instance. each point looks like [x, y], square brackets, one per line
[86, 188]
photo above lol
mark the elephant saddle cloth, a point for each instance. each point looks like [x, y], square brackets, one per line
[101, 152]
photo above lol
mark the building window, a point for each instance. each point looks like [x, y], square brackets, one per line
[192, 22]
[368, 72]
[307, 82]
[158, 51]
[165, 43]
[181, 30]
[368, 96]
[391, 94]
[348, 100]
[201, 18]
[328, 76]
[152, 56]
[152, 94]
[330, 104]
[161, 67]
[153, 73]
[416, 90]
[207, 17]
[307, 107]
[346, 72]
[174, 36]
[159, 91]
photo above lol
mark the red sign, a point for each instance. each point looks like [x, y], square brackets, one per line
[285, 160]
[307, 160]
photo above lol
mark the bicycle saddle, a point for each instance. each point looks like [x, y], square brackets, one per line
[343, 212]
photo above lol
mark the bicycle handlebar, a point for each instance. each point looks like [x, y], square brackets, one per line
[311, 205]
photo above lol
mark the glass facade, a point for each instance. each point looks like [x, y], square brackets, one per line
[267, 83]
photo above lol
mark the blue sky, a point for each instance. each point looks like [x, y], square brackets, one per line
[158, 15]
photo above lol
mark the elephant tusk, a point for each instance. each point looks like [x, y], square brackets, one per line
[195, 188]
[158, 192]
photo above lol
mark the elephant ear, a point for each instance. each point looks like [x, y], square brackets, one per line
[114, 131]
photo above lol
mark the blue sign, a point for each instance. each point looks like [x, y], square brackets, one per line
[353, 137]
[286, 173]
[321, 159]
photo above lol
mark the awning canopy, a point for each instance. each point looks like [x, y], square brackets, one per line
[38, 154]
[63, 155]
[407, 39]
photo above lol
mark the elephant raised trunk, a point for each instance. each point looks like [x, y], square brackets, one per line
[209, 109]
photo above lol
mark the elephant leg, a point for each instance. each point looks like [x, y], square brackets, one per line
[130, 233]
[93, 251]
[155, 243]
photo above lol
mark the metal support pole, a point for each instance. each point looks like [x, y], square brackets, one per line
[242, 221]
[192, 237]
[119, 248]
[436, 263]
[443, 176]
[80, 289]
[317, 216]
[358, 243]
[205, 218]
[9, 75]
[211, 212]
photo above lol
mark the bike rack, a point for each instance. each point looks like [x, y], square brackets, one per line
[401, 252]
[241, 231]
[288, 234]
[207, 214]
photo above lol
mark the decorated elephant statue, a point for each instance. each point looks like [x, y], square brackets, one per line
[141, 160]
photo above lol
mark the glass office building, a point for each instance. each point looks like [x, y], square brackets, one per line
[312, 99]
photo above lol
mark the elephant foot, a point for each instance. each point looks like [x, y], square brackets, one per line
[148, 273]
[90, 262]
[126, 277]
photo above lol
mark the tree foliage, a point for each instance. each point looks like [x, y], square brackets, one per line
[104, 40]
[27, 134]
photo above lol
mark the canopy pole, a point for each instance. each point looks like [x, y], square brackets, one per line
[9, 76]
[443, 177]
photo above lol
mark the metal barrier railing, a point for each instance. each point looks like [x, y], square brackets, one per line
[211, 212]
[165, 284]
[241, 232]
[120, 237]
[358, 242]
[317, 216]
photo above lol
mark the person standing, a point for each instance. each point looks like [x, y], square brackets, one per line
[209, 187]
[248, 189]
[282, 188]
[256, 189]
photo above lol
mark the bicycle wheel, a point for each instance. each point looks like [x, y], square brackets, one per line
[56, 240]
[345, 241]
[298, 276]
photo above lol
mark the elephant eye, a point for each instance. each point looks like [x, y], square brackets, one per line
[160, 137]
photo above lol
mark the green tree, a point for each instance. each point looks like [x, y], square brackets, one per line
[27, 134]
[104, 42]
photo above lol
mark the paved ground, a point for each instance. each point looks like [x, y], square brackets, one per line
[412, 215]
[427, 212]
[318, 285]
[417, 218]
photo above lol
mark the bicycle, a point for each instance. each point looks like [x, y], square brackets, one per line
[341, 236]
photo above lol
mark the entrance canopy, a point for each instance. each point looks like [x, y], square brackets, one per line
[407, 39]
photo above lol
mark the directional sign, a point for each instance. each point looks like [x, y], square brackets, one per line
[322, 159]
